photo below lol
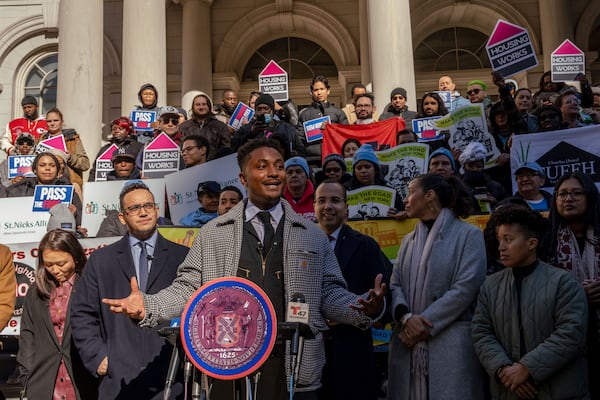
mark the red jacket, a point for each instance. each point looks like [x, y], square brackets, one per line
[305, 206]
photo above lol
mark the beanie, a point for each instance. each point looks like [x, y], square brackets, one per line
[398, 90]
[443, 152]
[298, 162]
[337, 158]
[265, 99]
[365, 153]
[28, 100]
[61, 218]
[473, 152]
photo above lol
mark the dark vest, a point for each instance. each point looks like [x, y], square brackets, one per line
[251, 266]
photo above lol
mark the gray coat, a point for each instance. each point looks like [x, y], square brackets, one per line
[554, 315]
[457, 269]
[310, 267]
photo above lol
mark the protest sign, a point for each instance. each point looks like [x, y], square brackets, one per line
[161, 157]
[273, 80]
[468, 124]
[143, 119]
[313, 130]
[403, 163]
[446, 98]
[100, 197]
[426, 130]
[559, 152]
[510, 50]
[241, 116]
[47, 196]
[21, 225]
[20, 166]
[372, 201]
[567, 62]
[55, 142]
[181, 186]
[104, 163]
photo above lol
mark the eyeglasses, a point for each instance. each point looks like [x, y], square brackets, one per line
[527, 175]
[173, 120]
[137, 208]
[332, 170]
[22, 142]
[575, 194]
[473, 91]
[364, 105]
[188, 149]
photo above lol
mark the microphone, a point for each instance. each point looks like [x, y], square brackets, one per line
[174, 363]
[149, 257]
[297, 312]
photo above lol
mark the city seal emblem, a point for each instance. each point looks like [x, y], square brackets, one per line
[228, 328]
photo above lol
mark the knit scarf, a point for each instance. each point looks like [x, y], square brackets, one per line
[417, 295]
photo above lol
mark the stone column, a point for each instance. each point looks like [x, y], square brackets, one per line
[144, 50]
[554, 27]
[80, 49]
[363, 23]
[390, 40]
[196, 55]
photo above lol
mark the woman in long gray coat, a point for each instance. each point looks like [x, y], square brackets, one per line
[435, 281]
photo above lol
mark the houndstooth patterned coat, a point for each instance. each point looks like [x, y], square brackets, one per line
[310, 268]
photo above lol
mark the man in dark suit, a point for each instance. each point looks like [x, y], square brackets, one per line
[350, 370]
[131, 361]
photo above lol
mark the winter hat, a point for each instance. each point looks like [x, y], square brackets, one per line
[265, 99]
[366, 153]
[28, 100]
[443, 152]
[337, 158]
[61, 218]
[473, 152]
[151, 87]
[297, 162]
[398, 90]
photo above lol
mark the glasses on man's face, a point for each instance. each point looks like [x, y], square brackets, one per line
[188, 149]
[137, 208]
[526, 175]
[333, 170]
[473, 91]
[575, 194]
[173, 120]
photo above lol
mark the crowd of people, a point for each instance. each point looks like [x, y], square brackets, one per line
[519, 302]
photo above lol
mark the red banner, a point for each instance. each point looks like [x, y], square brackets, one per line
[380, 135]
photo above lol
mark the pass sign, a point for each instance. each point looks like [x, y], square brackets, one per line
[510, 50]
[567, 61]
[273, 80]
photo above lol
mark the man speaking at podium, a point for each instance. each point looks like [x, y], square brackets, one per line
[284, 255]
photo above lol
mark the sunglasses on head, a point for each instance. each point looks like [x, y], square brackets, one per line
[473, 91]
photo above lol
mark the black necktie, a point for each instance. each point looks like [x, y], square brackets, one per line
[265, 217]
[143, 266]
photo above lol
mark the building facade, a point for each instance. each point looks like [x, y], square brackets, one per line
[89, 57]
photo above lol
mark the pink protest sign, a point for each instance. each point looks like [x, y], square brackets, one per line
[104, 164]
[567, 62]
[510, 50]
[273, 80]
[54, 142]
[161, 157]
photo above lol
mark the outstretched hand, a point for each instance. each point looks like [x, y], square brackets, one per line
[372, 306]
[132, 305]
